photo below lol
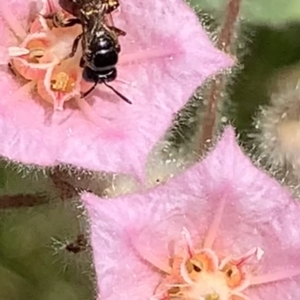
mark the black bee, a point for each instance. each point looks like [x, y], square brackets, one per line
[99, 39]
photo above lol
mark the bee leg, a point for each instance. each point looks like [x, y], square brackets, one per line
[49, 16]
[75, 46]
[82, 63]
[56, 18]
[59, 21]
[69, 23]
[83, 95]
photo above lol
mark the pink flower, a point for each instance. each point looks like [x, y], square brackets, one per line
[165, 56]
[42, 58]
[223, 230]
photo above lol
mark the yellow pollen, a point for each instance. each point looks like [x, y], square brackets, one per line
[62, 82]
[37, 50]
[213, 296]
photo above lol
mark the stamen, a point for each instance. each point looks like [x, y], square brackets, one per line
[257, 252]
[187, 238]
[145, 55]
[62, 82]
[276, 276]
[35, 55]
[233, 275]
[37, 50]
[174, 290]
[5, 54]
[214, 227]
[17, 51]
[185, 273]
[11, 21]
[150, 258]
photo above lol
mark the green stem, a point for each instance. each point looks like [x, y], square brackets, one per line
[213, 93]
[20, 200]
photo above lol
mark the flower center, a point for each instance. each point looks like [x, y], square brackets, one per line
[44, 58]
[206, 276]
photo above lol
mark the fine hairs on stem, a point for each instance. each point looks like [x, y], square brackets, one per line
[225, 42]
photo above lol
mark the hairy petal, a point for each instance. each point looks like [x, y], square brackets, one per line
[120, 271]
[166, 55]
[134, 236]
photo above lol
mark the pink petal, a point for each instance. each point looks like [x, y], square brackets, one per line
[123, 135]
[119, 271]
[49, 6]
[258, 212]
[39, 24]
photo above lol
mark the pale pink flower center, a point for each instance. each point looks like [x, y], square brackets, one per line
[203, 275]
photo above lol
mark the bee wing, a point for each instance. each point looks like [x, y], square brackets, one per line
[109, 20]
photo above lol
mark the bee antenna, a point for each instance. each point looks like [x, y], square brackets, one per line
[118, 93]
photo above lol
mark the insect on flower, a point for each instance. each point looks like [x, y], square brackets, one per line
[99, 39]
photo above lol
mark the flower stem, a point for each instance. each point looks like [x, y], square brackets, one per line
[226, 37]
[18, 201]
[66, 190]
[214, 90]
[69, 184]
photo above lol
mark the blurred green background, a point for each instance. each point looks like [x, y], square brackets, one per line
[34, 264]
